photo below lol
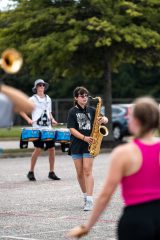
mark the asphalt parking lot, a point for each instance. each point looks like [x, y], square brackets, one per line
[47, 209]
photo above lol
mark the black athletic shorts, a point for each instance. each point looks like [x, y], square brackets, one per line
[44, 144]
[140, 222]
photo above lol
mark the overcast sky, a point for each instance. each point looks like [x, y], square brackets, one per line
[4, 3]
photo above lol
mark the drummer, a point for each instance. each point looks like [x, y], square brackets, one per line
[41, 119]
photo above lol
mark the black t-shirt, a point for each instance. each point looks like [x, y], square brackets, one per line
[82, 120]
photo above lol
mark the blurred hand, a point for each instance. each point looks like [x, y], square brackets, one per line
[30, 121]
[77, 232]
[88, 139]
[102, 120]
[54, 122]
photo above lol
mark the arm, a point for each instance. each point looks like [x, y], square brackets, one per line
[25, 116]
[114, 176]
[79, 135]
[19, 99]
[53, 121]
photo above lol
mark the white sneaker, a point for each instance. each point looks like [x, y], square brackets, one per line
[88, 206]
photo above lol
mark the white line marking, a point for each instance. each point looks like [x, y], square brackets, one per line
[23, 238]
[33, 233]
[11, 237]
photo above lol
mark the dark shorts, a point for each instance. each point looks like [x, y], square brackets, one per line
[44, 144]
[140, 222]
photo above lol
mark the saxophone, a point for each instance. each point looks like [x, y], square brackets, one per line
[98, 131]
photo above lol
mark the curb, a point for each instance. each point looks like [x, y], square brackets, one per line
[106, 147]
[13, 153]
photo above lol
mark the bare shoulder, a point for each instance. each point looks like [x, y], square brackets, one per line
[126, 158]
[122, 153]
[123, 148]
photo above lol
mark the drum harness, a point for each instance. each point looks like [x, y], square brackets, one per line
[43, 120]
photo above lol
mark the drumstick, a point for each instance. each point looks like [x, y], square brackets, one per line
[58, 123]
[19, 99]
[61, 124]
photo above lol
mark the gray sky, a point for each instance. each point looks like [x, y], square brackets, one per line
[4, 3]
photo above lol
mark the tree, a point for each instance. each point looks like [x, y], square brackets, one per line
[89, 38]
[136, 80]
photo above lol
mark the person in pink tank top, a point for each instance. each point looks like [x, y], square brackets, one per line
[136, 166]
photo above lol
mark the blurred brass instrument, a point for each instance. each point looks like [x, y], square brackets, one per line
[98, 131]
[11, 61]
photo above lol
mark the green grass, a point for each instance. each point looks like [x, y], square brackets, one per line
[10, 133]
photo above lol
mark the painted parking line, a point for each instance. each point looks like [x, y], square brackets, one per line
[20, 238]
[99, 220]
[24, 214]
[107, 238]
[33, 233]
[26, 238]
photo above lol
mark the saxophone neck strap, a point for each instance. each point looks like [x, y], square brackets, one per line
[84, 110]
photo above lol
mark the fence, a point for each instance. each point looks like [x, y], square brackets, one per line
[60, 109]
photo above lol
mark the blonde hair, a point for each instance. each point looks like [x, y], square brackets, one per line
[147, 111]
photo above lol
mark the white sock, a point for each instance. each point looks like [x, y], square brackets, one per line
[90, 198]
[85, 195]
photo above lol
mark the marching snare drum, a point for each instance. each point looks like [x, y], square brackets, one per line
[62, 135]
[47, 135]
[30, 134]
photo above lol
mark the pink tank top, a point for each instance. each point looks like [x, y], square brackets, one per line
[144, 186]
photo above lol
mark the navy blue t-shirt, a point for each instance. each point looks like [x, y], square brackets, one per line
[82, 120]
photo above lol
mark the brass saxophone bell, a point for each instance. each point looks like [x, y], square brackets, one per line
[11, 61]
[103, 130]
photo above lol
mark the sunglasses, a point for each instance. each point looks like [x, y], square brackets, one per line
[41, 85]
[83, 96]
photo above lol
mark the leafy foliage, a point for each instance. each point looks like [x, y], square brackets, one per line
[70, 43]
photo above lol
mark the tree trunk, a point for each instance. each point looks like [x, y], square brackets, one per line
[108, 98]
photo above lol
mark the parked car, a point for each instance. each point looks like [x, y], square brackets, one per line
[120, 120]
